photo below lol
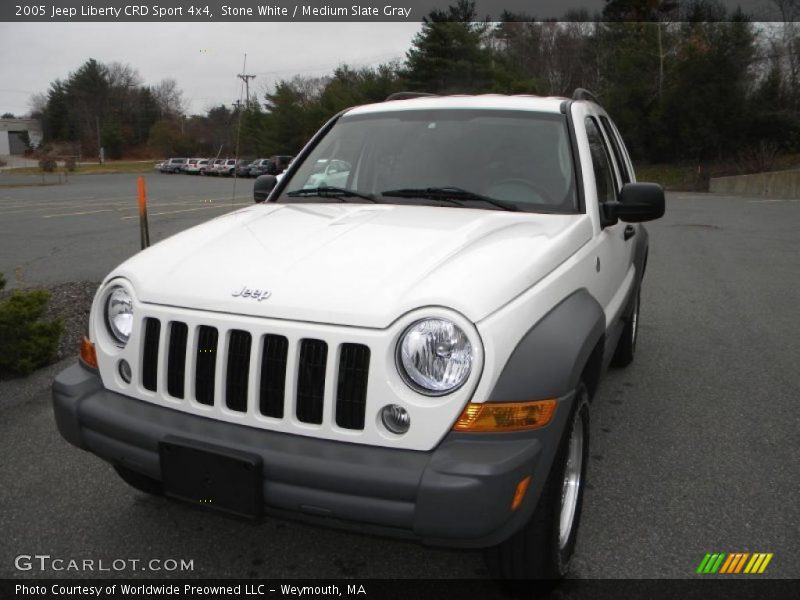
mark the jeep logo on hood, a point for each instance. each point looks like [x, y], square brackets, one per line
[246, 292]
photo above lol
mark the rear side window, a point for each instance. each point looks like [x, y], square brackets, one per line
[601, 163]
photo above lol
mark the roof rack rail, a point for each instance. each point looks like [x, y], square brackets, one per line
[408, 95]
[584, 94]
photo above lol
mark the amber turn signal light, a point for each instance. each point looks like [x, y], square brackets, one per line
[88, 354]
[506, 416]
[519, 495]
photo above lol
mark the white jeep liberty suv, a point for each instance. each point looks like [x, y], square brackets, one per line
[406, 343]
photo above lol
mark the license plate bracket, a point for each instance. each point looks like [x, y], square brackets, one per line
[214, 477]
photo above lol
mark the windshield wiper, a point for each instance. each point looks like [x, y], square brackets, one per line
[327, 191]
[452, 194]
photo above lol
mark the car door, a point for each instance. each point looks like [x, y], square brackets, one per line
[615, 250]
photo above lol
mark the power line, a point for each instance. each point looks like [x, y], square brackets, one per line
[301, 69]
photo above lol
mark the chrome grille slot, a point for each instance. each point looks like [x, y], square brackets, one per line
[176, 359]
[351, 391]
[152, 332]
[311, 380]
[206, 362]
[236, 376]
[273, 375]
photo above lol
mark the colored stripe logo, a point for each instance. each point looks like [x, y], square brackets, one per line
[734, 563]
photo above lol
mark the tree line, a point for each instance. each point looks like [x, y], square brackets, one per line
[684, 80]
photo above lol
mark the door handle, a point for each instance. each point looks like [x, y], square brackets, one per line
[629, 232]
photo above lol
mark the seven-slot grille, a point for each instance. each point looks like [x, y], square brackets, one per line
[235, 348]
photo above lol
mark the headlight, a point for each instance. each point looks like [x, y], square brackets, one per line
[119, 314]
[434, 357]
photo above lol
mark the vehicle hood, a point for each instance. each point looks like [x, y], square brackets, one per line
[354, 264]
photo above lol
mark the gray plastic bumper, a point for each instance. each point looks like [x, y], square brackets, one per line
[456, 495]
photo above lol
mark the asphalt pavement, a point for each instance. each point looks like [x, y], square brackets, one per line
[695, 446]
[81, 229]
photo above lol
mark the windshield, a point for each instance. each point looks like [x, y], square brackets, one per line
[520, 158]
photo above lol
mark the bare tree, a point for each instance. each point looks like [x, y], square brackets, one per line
[310, 88]
[123, 75]
[169, 98]
[786, 46]
[38, 104]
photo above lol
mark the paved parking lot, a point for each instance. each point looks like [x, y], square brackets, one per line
[695, 447]
[84, 228]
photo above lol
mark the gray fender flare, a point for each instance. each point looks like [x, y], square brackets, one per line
[549, 359]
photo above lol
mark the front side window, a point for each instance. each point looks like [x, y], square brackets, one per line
[601, 164]
[522, 159]
[619, 154]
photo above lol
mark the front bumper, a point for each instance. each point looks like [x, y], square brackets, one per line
[457, 495]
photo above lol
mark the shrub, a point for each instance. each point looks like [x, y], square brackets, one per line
[47, 164]
[70, 163]
[26, 341]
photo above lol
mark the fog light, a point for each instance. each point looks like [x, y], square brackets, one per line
[125, 371]
[395, 418]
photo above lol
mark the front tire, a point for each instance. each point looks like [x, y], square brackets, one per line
[543, 548]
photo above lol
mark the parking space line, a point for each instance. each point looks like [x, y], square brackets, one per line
[79, 199]
[77, 214]
[174, 212]
[111, 207]
[773, 200]
[67, 204]
[64, 207]
[33, 205]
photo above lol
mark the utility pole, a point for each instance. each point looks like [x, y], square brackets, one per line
[99, 143]
[246, 78]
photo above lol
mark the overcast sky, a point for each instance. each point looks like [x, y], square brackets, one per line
[203, 58]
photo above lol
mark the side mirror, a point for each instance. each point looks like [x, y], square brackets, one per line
[637, 202]
[263, 185]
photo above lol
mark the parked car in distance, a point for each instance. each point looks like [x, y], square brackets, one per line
[173, 165]
[195, 166]
[225, 167]
[214, 165]
[158, 165]
[243, 167]
[281, 162]
[260, 166]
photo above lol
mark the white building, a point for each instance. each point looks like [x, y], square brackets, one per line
[12, 135]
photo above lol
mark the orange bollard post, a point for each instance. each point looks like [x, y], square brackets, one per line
[144, 228]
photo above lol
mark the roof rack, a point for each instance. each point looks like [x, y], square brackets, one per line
[584, 94]
[408, 95]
